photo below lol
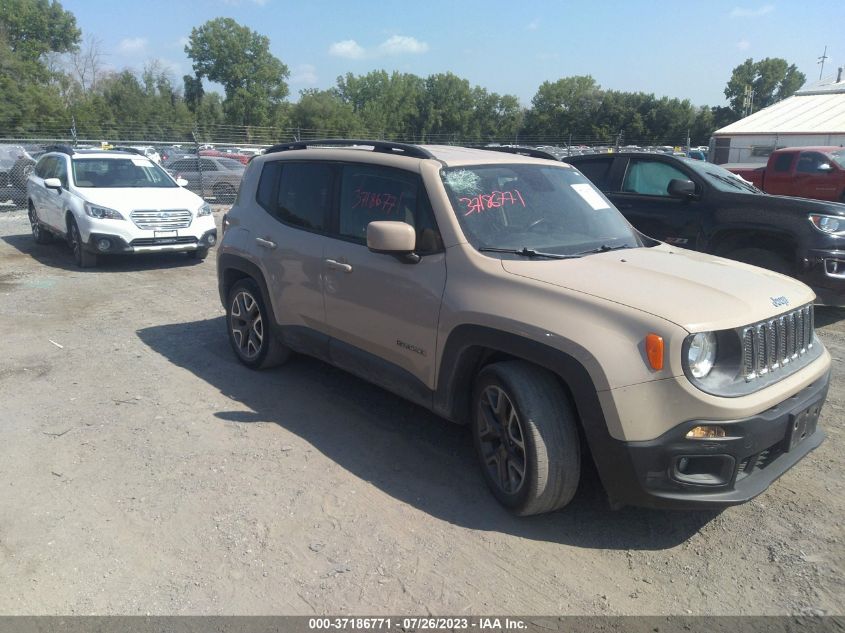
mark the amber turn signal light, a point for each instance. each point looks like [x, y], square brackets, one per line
[705, 433]
[654, 351]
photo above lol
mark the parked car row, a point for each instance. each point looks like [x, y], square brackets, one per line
[563, 331]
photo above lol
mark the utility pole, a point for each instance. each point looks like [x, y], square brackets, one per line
[821, 61]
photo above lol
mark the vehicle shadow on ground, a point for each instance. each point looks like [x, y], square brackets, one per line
[825, 315]
[57, 254]
[404, 450]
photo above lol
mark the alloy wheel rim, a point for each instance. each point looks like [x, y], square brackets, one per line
[36, 228]
[502, 440]
[74, 238]
[247, 325]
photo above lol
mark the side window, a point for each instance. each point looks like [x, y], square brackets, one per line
[650, 177]
[597, 171]
[45, 166]
[208, 165]
[305, 191]
[369, 193]
[784, 161]
[177, 165]
[809, 162]
[60, 172]
[266, 191]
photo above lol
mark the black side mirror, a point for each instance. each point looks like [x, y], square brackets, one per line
[681, 188]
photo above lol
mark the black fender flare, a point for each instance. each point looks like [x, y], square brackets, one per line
[230, 262]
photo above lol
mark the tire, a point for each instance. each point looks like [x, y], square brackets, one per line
[249, 327]
[39, 234]
[541, 437]
[83, 258]
[762, 258]
[199, 254]
[224, 193]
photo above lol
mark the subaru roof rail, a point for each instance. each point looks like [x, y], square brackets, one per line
[387, 147]
[522, 151]
[62, 149]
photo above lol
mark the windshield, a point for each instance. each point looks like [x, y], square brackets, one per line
[839, 157]
[535, 207]
[720, 178]
[109, 173]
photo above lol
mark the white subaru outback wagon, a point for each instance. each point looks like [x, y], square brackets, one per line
[108, 203]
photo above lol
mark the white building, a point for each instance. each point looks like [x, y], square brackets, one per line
[815, 115]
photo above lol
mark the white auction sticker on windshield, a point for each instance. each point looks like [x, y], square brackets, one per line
[590, 196]
[141, 162]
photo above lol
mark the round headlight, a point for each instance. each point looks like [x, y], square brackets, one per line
[702, 354]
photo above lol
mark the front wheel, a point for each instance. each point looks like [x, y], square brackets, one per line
[249, 328]
[526, 437]
[83, 258]
[199, 254]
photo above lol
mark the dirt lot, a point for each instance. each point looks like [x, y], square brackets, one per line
[143, 470]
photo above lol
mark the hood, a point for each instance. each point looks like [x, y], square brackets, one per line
[129, 199]
[784, 204]
[696, 291]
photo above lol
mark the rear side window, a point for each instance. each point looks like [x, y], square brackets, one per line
[370, 193]
[783, 162]
[298, 194]
[597, 171]
[45, 166]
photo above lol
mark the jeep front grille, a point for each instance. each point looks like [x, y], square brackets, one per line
[164, 220]
[771, 345]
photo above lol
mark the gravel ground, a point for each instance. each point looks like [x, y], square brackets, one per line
[144, 471]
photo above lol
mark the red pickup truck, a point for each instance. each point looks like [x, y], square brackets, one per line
[806, 172]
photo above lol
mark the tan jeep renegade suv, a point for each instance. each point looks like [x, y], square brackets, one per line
[507, 292]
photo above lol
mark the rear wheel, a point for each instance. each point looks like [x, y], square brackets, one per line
[526, 437]
[83, 258]
[39, 233]
[250, 329]
[762, 258]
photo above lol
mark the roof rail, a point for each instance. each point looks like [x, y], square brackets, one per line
[387, 147]
[62, 149]
[522, 151]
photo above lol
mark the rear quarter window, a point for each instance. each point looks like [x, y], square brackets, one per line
[783, 162]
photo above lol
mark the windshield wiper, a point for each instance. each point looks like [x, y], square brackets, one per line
[526, 252]
[604, 248]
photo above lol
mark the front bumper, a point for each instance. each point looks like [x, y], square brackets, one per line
[117, 245]
[824, 271]
[722, 472]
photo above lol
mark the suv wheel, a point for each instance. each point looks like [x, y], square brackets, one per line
[39, 233]
[199, 254]
[249, 327]
[526, 437]
[83, 258]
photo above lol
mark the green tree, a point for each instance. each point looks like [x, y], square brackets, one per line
[564, 107]
[324, 112]
[35, 27]
[240, 59]
[771, 79]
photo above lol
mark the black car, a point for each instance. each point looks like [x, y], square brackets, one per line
[703, 207]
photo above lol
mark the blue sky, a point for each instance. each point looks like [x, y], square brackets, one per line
[683, 49]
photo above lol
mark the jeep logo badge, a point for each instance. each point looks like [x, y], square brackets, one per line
[779, 301]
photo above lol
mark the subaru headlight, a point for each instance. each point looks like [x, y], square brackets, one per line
[830, 224]
[701, 354]
[102, 213]
[205, 209]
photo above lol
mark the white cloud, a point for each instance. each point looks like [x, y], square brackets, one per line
[744, 12]
[132, 45]
[533, 25]
[305, 74]
[743, 45]
[182, 42]
[350, 49]
[401, 45]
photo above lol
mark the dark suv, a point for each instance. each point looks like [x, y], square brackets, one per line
[704, 207]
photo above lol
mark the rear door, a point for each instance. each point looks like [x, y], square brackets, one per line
[813, 182]
[382, 311]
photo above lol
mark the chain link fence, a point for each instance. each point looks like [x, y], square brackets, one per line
[213, 168]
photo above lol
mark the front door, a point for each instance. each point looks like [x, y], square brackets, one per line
[645, 201]
[383, 312]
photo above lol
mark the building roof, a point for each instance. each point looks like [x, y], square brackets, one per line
[818, 108]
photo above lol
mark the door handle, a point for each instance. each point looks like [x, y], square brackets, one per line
[335, 265]
[265, 243]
